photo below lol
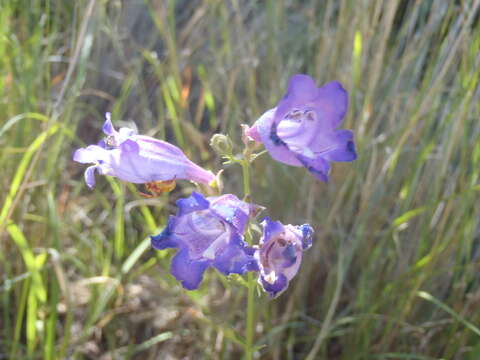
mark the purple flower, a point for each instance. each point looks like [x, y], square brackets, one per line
[280, 254]
[137, 159]
[208, 232]
[301, 130]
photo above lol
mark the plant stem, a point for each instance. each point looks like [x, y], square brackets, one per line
[246, 180]
[250, 329]
[250, 323]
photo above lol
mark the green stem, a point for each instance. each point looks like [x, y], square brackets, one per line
[249, 332]
[250, 325]
[246, 179]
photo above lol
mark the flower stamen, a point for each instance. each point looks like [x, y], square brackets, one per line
[110, 141]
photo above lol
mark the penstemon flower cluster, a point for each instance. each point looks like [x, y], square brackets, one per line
[210, 231]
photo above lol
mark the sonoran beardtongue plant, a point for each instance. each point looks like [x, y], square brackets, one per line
[302, 129]
[138, 159]
[280, 254]
[208, 232]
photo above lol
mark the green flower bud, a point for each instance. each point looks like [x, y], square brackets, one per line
[221, 144]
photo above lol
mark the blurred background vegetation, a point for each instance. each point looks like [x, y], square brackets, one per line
[394, 270]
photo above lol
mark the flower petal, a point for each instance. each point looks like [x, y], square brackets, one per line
[158, 148]
[90, 176]
[90, 154]
[289, 255]
[307, 235]
[166, 239]
[319, 167]
[199, 174]
[232, 210]
[301, 90]
[130, 146]
[164, 161]
[189, 272]
[271, 229]
[332, 101]
[194, 202]
[344, 148]
[236, 258]
[333, 145]
[275, 289]
[108, 128]
[277, 148]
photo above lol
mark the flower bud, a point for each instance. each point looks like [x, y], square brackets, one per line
[221, 144]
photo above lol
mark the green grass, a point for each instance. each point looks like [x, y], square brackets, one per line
[393, 273]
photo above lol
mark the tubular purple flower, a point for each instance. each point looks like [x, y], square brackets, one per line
[137, 159]
[280, 254]
[208, 232]
[302, 129]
